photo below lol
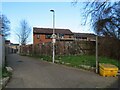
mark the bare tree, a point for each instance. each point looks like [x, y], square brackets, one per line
[105, 20]
[104, 17]
[24, 32]
[4, 26]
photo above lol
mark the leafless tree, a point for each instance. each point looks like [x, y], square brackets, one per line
[104, 17]
[4, 26]
[24, 32]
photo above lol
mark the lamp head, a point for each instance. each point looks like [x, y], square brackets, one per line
[52, 10]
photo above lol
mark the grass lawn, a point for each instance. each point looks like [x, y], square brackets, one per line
[76, 61]
[86, 60]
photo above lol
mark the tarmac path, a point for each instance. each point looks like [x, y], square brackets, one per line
[34, 73]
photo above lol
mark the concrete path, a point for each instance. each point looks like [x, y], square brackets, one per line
[34, 73]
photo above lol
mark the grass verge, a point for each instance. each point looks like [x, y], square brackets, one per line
[5, 73]
[88, 60]
[78, 60]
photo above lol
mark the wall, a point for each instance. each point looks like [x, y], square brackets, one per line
[2, 51]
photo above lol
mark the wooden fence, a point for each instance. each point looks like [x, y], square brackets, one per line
[61, 48]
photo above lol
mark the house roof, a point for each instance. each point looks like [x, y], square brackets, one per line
[78, 35]
[50, 31]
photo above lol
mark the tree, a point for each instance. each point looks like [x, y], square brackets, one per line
[104, 17]
[24, 32]
[105, 20]
[4, 26]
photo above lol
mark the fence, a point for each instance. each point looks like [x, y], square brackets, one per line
[109, 47]
[61, 48]
[2, 51]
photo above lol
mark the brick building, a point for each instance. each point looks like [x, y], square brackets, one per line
[43, 35]
[85, 36]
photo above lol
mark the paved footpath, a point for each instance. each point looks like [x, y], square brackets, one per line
[34, 73]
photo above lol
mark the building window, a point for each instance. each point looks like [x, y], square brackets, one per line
[38, 36]
[61, 35]
[70, 36]
[47, 36]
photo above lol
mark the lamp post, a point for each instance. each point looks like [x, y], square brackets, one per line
[53, 35]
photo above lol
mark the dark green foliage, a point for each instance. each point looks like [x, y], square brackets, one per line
[5, 73]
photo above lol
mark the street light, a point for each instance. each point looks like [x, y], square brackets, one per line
[53, 35]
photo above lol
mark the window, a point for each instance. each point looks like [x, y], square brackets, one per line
[70, 36]
[38, 36]
[61, 35]
[47, 36]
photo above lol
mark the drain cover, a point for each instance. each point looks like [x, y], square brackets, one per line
[19, 61]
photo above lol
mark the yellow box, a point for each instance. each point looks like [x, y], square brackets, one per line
[108, 69]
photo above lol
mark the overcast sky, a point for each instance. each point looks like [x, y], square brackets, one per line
[38, 14]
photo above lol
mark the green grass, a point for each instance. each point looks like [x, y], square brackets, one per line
[109, 60]
[86, 60]
[77, 60]
[4, 73]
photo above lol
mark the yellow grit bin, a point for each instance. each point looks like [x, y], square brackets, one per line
[108, 69]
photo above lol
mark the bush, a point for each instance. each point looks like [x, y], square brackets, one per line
[5, 73]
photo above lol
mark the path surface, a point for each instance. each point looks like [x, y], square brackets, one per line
[34, 73]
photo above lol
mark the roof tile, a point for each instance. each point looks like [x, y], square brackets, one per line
[50, 31]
